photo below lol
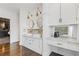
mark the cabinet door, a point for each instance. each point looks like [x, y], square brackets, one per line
[51, 13]
[68, 13]
[36, 46]
[26, 42]
[77, 15]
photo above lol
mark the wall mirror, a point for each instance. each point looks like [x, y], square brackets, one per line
[68, 31]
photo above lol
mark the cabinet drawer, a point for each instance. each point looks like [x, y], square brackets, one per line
[33, 44]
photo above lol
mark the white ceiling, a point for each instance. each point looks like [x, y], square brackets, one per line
[16, 6]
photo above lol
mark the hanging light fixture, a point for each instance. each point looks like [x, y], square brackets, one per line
[60, 19]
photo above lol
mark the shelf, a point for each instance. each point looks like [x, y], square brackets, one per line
[34, 31]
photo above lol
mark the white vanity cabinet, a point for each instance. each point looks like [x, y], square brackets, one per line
[26, 42]
[69, 13]
[63, 46]
[34, 44]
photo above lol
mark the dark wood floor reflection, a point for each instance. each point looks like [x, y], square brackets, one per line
[15, 50]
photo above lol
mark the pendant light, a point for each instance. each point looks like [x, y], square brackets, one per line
[60, 19]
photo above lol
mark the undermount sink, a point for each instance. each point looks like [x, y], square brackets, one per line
[62, 43]
[59, 43]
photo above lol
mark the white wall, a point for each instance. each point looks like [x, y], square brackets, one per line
[46, 30]
[6, 13]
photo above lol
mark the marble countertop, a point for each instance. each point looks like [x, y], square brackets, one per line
[63, 44]
[73, 40]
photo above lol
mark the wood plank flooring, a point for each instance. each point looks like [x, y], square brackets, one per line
[16, 50]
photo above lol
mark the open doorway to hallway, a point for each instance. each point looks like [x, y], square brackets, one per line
[4, 33]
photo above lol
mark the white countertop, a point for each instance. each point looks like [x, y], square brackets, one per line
[63, 44]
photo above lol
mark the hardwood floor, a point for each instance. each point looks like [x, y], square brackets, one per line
[16, 50]
[4, 39]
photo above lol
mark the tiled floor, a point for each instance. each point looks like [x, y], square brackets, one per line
[15, 50]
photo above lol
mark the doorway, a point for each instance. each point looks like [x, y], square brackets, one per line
[4, 33]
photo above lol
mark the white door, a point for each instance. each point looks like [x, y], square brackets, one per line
[51, 13]
[68, 13]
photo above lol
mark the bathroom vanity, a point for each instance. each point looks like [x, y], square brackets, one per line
[63, 46]
[32, 43]
[66, 43]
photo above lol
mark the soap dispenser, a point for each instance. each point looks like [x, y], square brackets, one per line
[56, 34]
